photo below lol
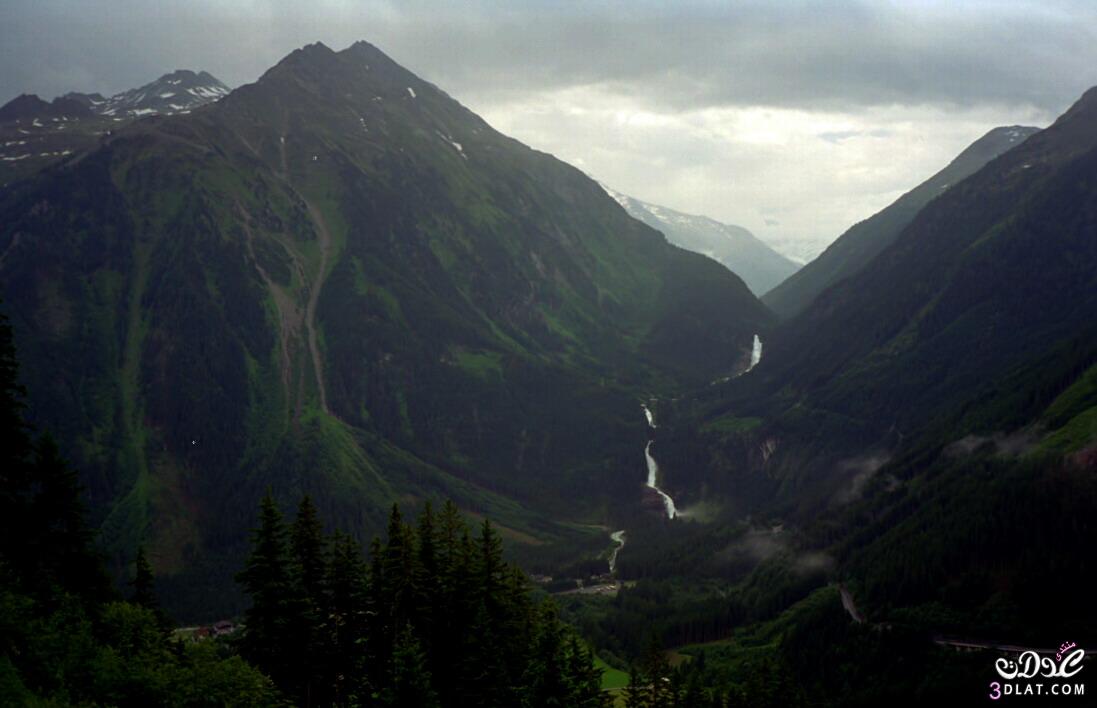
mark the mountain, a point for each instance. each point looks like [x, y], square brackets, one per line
[35, 134]
[971, 322]
[338, 280]
[912, 457]
[760, 267]
[965, 351]
[178, 92]
[865, 240]
[29, 107]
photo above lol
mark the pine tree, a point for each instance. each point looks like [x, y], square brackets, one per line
[15, 455]
[452, 636]
[409, 681]
[307, 541]
[143, 583]
[268, 622]
[637, 691]
[398, 566]
[426, 581]
[378, 650]
[59, 538]
[487, 660]
[693, 696]
[583, 677]
[546, 679]
[346, 623]
[307, 575]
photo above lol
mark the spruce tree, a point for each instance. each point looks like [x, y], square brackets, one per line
[426, 581]
[398, 566]
[487, 657]
[546, 680]
[378, 651]
[15, 457]
[583, 677]
[346, 624]
[409, 681]
[307, 575]
[143, 583]
[637, 691]
[58, 536]
[307, 541]
[269, 620]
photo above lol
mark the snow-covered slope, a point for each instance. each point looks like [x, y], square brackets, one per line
[760, 267]
[178, 92]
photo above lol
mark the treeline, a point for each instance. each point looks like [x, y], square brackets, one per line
[434, 618]
[67, 637]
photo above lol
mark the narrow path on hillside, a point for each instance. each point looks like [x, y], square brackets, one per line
[289, 313]
[317, 284]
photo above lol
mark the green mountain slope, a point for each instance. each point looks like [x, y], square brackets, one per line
[854, 249]
[923, 436]
[339, 280]
[971, 323]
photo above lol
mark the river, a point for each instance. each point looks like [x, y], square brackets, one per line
[618, 538]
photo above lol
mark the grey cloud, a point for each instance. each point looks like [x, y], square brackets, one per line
[676, 56]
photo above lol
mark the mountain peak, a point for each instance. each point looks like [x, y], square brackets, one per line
[736, 248]
[316, 50]
[1086, 105]
[179, 91]
[25, 105]
[29, 105]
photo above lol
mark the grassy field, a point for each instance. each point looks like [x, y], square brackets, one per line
[612, 679]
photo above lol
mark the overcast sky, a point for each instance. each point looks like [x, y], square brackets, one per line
[794, 119]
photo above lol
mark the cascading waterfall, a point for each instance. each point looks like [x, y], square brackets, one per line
[653, 470]
[755, 353]
[618, 537]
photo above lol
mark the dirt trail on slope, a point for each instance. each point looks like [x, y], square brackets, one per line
[289, 313]
[317, 284]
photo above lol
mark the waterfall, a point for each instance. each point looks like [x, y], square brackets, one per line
[755, 353]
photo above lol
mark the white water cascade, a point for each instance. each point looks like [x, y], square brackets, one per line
[755, 353]
[653, 470]
[618, 537]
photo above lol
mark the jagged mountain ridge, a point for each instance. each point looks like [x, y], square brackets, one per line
[339, 280]
[760, 267]
[855, 248]
[29, 106]
[180, 91]
[35, 134]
